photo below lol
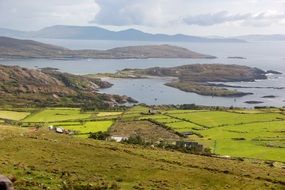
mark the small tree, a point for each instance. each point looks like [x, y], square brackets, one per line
[135, 139]
[99, 135]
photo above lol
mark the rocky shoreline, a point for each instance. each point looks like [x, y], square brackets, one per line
[49, 87]
[199, 78]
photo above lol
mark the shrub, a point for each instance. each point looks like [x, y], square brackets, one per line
[99, 135]
[135, 139]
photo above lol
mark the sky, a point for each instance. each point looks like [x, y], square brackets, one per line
[192, 17]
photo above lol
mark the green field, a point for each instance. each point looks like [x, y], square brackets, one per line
[42, 159]
[57, 114]
[244, 133]
[138, 109]
[183, 126]
[238, 133]
[181, 111]
[259, 140]
[71, 119]
[13, 115]
[134, 113]
[104, 114]
[211, 119]
[85, 127]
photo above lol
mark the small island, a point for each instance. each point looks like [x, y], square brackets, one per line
[198, 78]
[273, 72]
[253, 102]
[236, 57]
[269, 96]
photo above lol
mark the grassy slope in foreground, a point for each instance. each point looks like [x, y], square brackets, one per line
[39, 160]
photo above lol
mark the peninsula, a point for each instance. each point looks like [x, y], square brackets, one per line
[47, 87]
[199, 78]
[15, 48]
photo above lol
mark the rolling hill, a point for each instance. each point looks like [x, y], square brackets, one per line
[15, 48]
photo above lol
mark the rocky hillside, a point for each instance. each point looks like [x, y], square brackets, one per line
[26, 87]
[14, 48]
[209, 72]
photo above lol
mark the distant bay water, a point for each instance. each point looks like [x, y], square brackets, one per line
[264, 55]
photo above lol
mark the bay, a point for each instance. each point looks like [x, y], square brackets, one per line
[264, 55]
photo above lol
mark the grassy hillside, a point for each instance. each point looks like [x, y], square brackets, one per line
[45, 160]
[255, 134]
[36, 158]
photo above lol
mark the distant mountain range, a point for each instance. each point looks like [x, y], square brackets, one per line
[97, 33]
[15, 48]
[272, 37]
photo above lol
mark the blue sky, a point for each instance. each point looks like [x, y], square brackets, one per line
[196, 17]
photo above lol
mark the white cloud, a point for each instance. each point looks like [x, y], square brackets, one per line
[34, 14]
[135, 12]
[203, 17]
[216, 18]
[267, 18]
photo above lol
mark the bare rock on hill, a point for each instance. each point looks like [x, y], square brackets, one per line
[34, 87]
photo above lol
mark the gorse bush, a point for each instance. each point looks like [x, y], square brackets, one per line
[99, 135]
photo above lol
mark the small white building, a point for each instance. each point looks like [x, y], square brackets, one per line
[59, 130]
[119, 138]
[51, 127]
